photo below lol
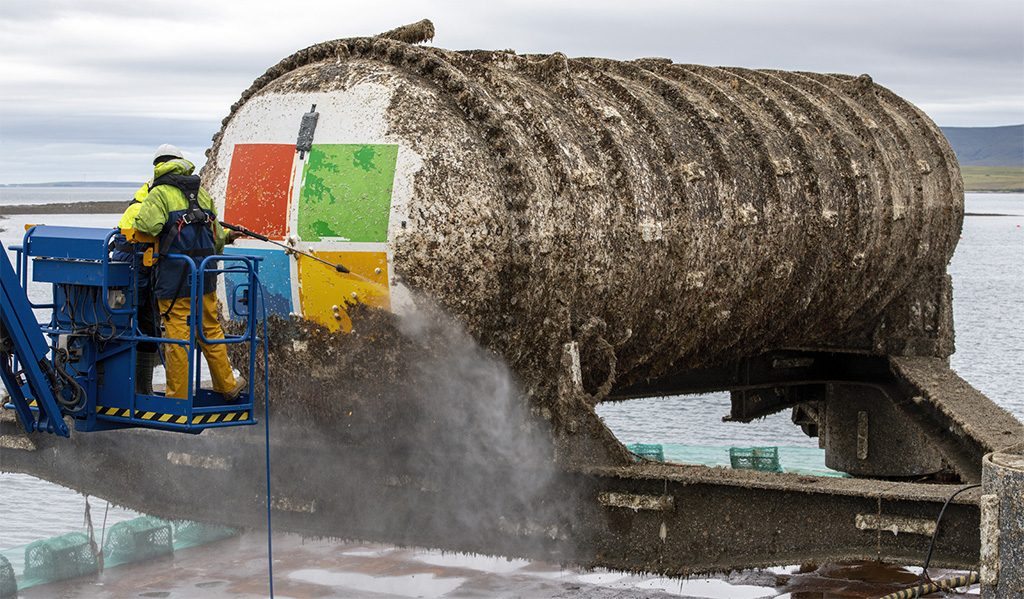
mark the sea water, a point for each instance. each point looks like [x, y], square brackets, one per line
[988, 281]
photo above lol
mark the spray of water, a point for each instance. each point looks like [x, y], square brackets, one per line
[409, 431]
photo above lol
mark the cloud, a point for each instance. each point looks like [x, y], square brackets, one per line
[104, 72]
[105, 129]
[973, 112]
[40, 162]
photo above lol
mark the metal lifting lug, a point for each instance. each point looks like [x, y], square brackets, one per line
[116, 298]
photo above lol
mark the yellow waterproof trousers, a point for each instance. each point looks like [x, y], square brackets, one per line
[176, 324]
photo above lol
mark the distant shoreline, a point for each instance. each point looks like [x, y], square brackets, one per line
[103, 207]
[66, 184]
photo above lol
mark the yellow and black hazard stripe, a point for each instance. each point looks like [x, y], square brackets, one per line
[174, 418]
[117, 412]
[223, 417]
[159, 417]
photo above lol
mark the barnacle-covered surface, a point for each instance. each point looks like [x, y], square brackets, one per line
[666, 217]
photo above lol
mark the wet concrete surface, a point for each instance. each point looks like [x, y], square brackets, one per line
[237, 568]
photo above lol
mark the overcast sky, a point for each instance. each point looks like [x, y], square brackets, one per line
[88, 89]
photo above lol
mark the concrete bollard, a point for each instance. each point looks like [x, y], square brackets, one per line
[1002, 525]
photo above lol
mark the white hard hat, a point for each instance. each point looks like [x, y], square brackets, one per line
[166, 150]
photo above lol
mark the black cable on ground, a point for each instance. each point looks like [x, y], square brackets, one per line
[924, 588]
[935, 533]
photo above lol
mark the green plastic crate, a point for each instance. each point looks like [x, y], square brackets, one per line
[649, 451]
[188, 533]
[60, 558]
[138, 539]
[8, 583]
[764, 459]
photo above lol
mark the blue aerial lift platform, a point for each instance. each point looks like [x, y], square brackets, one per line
[80, 362]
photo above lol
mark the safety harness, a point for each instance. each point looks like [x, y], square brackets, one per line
[189, 186]
[193, 216]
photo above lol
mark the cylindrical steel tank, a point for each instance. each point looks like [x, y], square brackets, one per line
[671, 216]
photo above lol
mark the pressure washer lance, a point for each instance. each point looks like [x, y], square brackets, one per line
[249, 233]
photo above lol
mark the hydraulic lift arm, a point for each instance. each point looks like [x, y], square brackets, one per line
[22, 343]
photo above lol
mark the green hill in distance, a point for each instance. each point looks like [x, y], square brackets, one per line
[993, 178]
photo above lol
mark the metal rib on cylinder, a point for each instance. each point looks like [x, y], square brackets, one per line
[703, 214]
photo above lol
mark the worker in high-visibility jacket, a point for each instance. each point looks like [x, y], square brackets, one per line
[146, 357]
[183, 218]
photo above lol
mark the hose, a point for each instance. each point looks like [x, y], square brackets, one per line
[60, 378]
[931, 587]
[244, 231]
[266, 424]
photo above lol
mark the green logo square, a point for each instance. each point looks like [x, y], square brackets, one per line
[346, 192]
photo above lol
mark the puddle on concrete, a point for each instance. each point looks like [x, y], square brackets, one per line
[424, 585]
[370, 552]
[601, 577]
[210, 585]
[862, 580]
[474, 561]
[706, 588]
